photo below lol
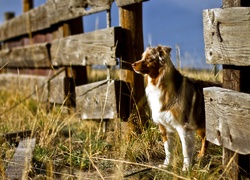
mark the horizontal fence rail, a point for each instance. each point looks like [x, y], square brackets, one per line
[227, 36]
[228, 114]
[52, 12]
[101, 47]
[45, 40]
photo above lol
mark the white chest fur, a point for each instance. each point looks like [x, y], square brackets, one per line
[165, 118]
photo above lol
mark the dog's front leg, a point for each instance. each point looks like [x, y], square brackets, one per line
[167, 138]
[187, 141]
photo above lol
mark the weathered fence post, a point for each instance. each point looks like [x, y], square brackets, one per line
[131, 21]
[9, 16]
[36, 44]
[226, 37]
[27, 5]
[235, 78]
[78, 74]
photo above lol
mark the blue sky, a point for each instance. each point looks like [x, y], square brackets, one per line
[165, 22]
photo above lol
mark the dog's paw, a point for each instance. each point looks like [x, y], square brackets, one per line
[186, 164]
[165, 163]
[185, 168]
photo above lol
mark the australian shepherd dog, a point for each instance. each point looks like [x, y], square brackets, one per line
[176, 102]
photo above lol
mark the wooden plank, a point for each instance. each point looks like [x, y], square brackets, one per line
[31, 21]
[31, 56]
[121, 3]
[8, 16]
[230, 161]
[68, 9]
[235, 78]
[13, 27]
[231, 3]
[96, 100]
[16, 136]
[131, 20]
[27, 84]
[227, 36]
[98, 48]
[57, 89]
[227, 118]
[37, 86]
[27, 5]
[20, 164]
[103, 100]
[75, 75]
[52, 12]
[37, 19]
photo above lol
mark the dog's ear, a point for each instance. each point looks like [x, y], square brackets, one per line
[167, 49]
[162, 51]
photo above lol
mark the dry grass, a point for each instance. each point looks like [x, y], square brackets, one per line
[68, 148]
[209, 75]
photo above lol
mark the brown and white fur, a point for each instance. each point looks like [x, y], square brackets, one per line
[176, 102]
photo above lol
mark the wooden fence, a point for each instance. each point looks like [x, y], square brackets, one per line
[227, 37]
[49, 40]
[51, 52]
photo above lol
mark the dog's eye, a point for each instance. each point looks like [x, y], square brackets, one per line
[151, 59]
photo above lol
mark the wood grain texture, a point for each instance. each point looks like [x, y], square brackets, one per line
[28, 84]
[20, 164]
[16, 136]
[231, 3]
[227, 118]
[121, 3]
[31, 21]
[31, 56]
[227, 36]
[57, 89]
[131, 21]
[52, 12]
[103, 100]
[37, 86]
[68, 9]
[28, 5]
[98, 47]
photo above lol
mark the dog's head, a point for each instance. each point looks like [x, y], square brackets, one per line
[153, 59]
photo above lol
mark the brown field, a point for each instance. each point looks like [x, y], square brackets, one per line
[70, 148]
